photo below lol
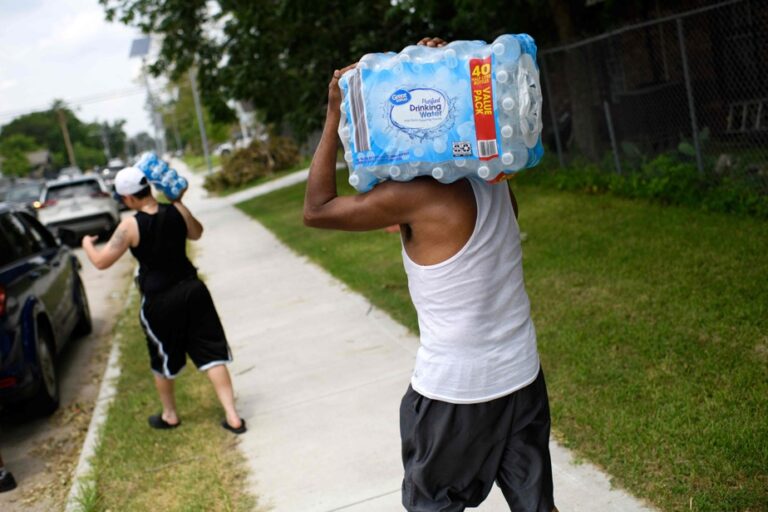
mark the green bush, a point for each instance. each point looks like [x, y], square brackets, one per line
[670, 178]
[258, 160]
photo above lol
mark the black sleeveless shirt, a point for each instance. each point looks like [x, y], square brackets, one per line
[162, 250]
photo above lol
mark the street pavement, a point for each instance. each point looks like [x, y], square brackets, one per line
[319, 373]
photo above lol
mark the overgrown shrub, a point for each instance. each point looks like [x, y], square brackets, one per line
[670, 178]
[258, 160]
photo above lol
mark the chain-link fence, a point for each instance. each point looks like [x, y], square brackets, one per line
[695, 83]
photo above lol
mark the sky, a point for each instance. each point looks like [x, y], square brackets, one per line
[65, 49]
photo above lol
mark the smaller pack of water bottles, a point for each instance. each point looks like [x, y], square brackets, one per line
[161, 176]
[465, 109]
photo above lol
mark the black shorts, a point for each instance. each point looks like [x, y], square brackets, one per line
[453, 453]
[179, 321]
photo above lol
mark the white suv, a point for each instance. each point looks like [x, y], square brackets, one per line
[81, 205]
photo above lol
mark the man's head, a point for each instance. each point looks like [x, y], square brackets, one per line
[132, 186]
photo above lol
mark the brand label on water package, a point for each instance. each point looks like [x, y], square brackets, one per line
[418, 109]
[482, 105]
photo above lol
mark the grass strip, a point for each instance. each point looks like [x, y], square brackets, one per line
[652, 325]
[197, 163]
[196, 467]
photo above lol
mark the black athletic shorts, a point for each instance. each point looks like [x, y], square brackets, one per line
[453, 453]
[179, 321]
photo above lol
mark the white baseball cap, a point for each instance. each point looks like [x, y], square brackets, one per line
[129, 181]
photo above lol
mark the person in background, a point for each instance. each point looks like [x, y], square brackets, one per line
[177, 312]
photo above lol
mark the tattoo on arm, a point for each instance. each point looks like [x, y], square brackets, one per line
[118, 240]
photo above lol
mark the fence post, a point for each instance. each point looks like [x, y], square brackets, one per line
[555, 127]
[609, 121]
[689, 91]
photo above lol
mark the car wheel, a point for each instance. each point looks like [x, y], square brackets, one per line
[47, 399]
[84, 325]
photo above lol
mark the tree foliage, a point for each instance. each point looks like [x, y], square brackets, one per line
[279, 54]
[44, 132]
[180, 117]
[13, 150]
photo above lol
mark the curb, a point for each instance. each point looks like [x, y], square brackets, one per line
[107, 394]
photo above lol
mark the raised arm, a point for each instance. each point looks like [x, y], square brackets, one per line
[388, 203]
[194, 228]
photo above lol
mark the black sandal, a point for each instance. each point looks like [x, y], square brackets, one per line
[157, 421]
[239, 430]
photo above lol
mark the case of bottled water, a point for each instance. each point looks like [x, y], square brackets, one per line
[465, 109]
[161, 176]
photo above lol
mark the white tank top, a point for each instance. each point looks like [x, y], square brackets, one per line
[478, 341]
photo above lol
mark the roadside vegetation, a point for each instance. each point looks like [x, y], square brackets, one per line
[652, 325]
[196, 467]
[258, 162]
[732, 183]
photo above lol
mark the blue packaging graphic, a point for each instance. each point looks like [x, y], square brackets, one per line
[161, 176]
[466, 109]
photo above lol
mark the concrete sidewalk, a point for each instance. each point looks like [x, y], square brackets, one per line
[319, 374]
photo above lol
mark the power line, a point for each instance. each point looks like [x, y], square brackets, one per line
[85, 100]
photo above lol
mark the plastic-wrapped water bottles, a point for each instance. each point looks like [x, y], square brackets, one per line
[466, 109]
[161, 176]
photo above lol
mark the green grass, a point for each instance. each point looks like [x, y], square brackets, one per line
[652, 325]
[197, 163]
[196, 467]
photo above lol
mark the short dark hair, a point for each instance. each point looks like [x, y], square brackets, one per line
[145, 192]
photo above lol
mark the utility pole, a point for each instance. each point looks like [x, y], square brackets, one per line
[200, 123]
[105, 140]
[68, 143]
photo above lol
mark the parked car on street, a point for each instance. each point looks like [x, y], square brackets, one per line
[108, 173]
[82, 205]
[42, 306]
[223, 149]
[70, 172]
[25, 193]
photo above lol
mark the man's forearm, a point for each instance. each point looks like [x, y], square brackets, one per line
[321, 183]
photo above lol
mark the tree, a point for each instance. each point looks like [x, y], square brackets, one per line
[279, 54]
[13, 150]
[139, 143]
[44, 130]
[180, 115]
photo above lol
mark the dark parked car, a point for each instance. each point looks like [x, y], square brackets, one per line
[25, 194]
[42, 305]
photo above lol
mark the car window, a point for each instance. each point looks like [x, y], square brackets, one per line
[68, 191]
[23, 194]
[17, 234]
[43, 238]
[7, 249]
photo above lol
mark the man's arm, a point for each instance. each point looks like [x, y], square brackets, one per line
[388, 203]
[194, 228]
[125, 236]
